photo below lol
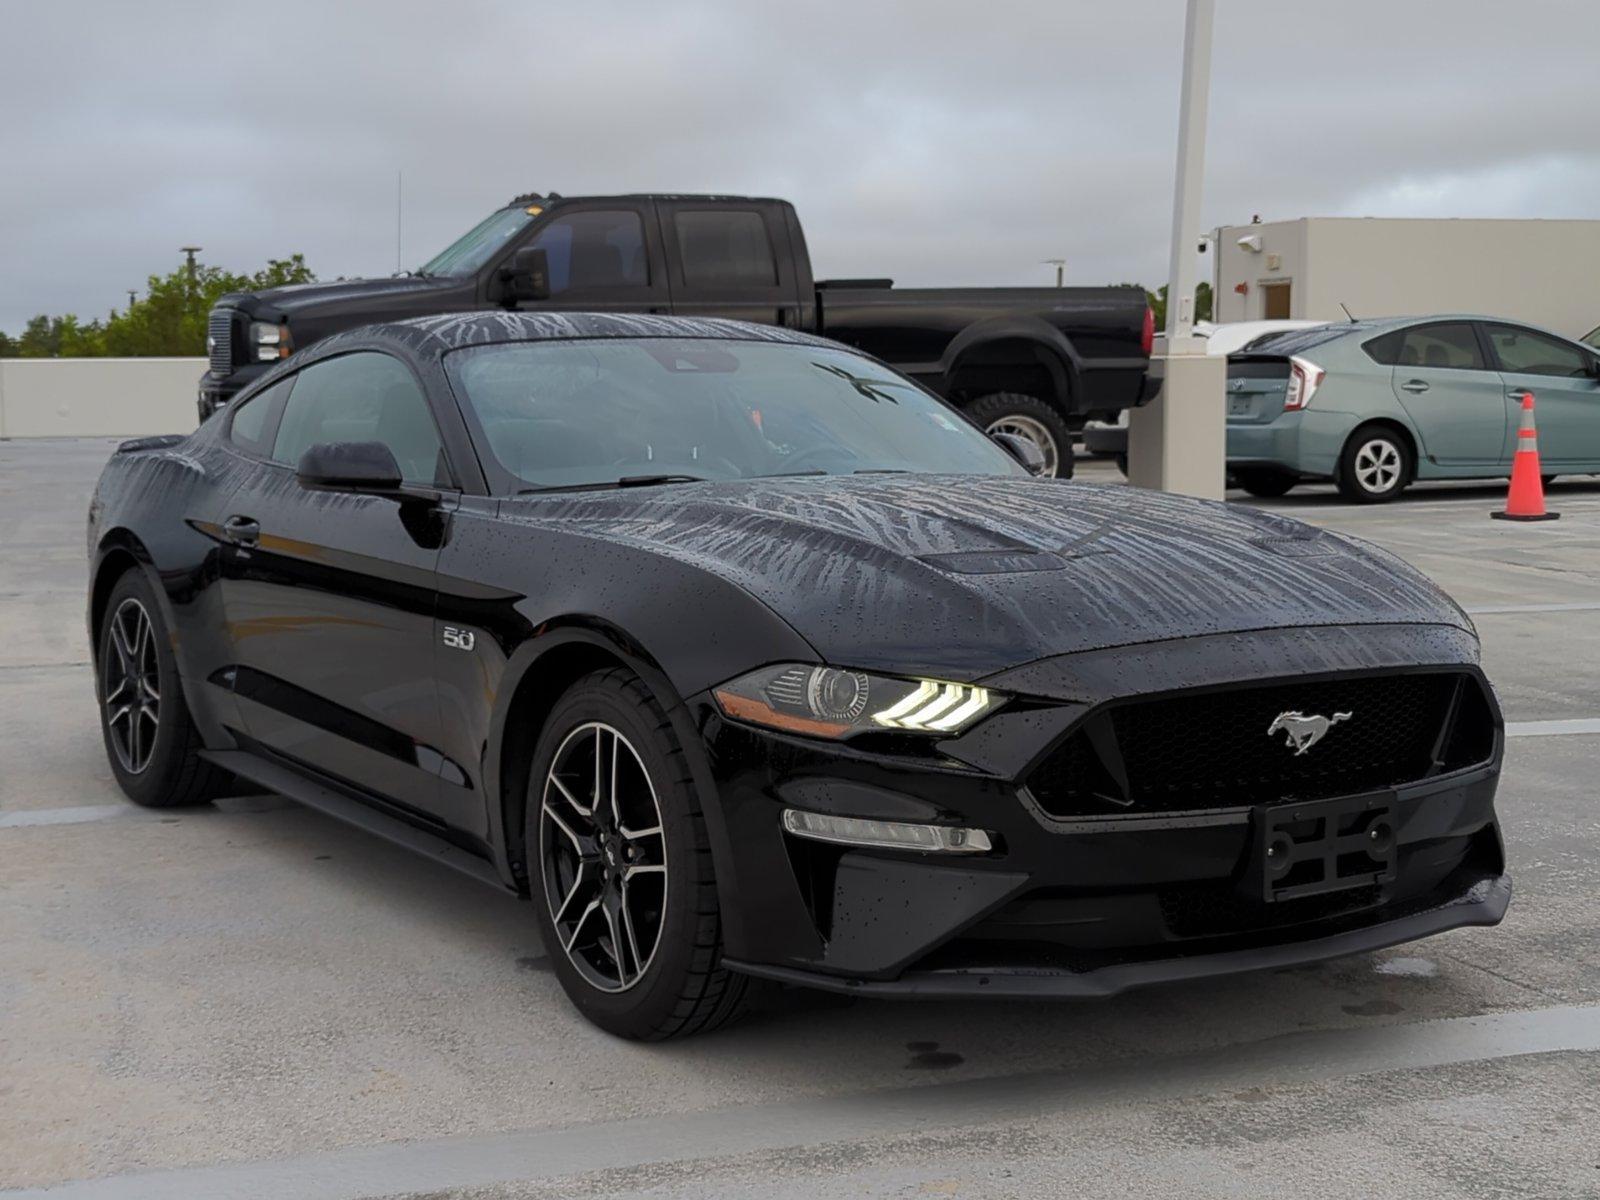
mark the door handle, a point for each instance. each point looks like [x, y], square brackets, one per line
[1414, 385]
[1516, 393]
[241, 531]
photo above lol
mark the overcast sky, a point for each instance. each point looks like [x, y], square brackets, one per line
[933, 142]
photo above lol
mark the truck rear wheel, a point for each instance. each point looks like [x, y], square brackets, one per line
[1032, 418]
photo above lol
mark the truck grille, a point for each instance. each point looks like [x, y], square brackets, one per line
[219, 340]
[1211, 749]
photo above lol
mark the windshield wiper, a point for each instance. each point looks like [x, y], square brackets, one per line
[625, 481]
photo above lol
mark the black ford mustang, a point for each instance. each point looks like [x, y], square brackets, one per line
[742, 656]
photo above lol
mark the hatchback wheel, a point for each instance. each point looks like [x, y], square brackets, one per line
[1266, 484]
[620, 866]
[1375, 466]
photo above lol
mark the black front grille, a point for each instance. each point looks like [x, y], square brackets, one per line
[1212, 749]
[219, 340]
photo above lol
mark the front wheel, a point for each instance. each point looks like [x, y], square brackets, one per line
[620, 867]
[1032, 418]
[1375, 467]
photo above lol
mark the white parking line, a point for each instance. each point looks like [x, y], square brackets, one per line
[411, 1168]
[1552, 728]
[1579, 606]
[63, 816]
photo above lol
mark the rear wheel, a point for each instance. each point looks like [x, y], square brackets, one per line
[1266, 484]
[1032, 418]
[151, 741]
[1375, 467]
[620, 867]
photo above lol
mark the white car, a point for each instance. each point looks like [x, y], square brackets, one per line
[1108, 439]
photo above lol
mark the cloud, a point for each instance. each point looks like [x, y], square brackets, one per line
[931, 141]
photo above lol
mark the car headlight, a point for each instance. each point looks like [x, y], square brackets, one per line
[270, 341]
[832, 702]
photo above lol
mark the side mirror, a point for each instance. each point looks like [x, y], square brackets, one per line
[526, 275]
[349, 467]
[1024, 450]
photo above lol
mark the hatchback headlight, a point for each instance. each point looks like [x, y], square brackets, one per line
[270, 342]
[833, 702]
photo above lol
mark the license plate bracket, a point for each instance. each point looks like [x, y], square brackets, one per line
[1311, 847]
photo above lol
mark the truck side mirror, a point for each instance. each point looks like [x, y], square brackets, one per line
[526, 275]
[1025, 450]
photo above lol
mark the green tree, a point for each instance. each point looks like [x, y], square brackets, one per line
[170, 319]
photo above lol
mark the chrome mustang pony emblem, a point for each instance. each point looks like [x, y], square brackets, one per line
[1302, 731]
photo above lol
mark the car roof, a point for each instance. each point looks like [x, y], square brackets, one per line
[444, 332]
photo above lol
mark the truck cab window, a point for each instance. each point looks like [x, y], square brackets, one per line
[595, 249]
[725, 248]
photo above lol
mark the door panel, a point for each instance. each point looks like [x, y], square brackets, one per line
[1456, 403]
[330, 614]
[1566, 394]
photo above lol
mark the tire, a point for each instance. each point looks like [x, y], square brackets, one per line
[677, 986]
[150, 739]
[1032, 418]
[1266, 484]
[1375, 467]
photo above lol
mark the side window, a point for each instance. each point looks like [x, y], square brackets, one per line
[251, 422]
[1451, 345]
[725, 248]
[363, 397]
[594, 250]
[1385, 349]
[1524, 352]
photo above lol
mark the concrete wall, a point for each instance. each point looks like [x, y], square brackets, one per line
[1543, 272]
[98, 397]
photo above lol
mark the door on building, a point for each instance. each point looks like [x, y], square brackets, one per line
[1275, 300]
[1565, 383]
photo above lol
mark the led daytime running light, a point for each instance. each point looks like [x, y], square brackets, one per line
[935, 706]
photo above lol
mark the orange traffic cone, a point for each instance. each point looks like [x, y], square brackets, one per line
[1525, 501]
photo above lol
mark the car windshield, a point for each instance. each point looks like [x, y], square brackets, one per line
[472, 249]
[601, 412]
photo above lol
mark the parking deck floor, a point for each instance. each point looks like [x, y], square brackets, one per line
[253, 1000]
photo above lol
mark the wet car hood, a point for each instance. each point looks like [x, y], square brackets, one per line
[965, 576]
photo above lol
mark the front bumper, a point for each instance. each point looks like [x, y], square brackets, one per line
[1072, 907]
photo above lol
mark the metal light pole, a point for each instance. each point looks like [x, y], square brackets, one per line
[1178, 442]
[1060, 264]
[190, 252]
[1181, 273]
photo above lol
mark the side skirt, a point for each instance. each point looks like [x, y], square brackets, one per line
[291, 783]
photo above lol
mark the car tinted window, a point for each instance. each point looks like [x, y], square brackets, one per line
[1298, 341]
[250, 426]
[365, 397]
[725, 248]
[565, 413]
[1524, 352]
[1385, 349]
[1452, 345]
[596, 249]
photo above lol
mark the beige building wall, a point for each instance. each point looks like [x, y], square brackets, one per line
[1542, 272]
[98, 397]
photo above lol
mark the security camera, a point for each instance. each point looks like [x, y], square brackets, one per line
[1251, 242]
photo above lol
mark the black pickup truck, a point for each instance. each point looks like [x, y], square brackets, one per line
[1030, 361]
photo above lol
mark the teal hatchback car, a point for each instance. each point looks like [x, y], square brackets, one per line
[1374, 405]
